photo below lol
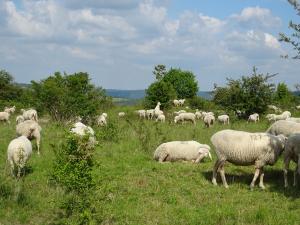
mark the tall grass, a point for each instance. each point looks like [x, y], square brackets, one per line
[132, 188]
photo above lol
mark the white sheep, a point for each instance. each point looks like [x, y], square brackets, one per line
[275, 108]
[121, 114]
[157, 110]
[150, 114]
[253, 118]
[161, 118]
[81, 129]
[287, 114]
[185, 117]
[181, 102]
[284, 127]
[294, 119]
[182, 150]
[18, 152]
[10, 110]
[180, 111]
[141, 113]
[20, 119]
[4, 116]
[209, 120]
[223, 119]
[244, 148]
[101, 120]
[30, 114]
[176, 102]
[30, 129]
[198, 114]
[273, 117]
[291, 152]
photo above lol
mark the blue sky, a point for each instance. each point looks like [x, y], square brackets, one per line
[119, 42]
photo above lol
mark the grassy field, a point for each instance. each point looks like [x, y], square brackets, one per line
[132, 188]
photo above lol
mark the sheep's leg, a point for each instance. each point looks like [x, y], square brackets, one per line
[256, 174]
[200, 157]
[12, 166]
[215, 170]
[222, 173]
[285, 171]
[261, 179]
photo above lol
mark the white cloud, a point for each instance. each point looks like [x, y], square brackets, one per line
[271, 41]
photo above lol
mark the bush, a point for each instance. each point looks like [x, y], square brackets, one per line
[201, 104]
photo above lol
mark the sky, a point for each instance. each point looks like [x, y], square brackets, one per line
[118, 42]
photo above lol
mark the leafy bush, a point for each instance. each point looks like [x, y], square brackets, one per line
[110, 132]
[201, 104]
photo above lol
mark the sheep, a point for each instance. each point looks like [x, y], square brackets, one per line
[181, 102]
[253, 118]
[176, 102]
[244, 148]
[10, 110]
[209, 120]
[223, 119]
[101, 120]
[30, 129]
[294, 119]
[275, 108]
[141, 113]
[185, 116]
[30, 114]
[284, 127]
[291, 152]
[121, 114]
[182, 150]
[18, 152]
[287, 114]
[157, 110]
[161, 118]
[81, 129]
[180, 111]
[283, 116]
[239, 113]
[298, 107]
[20, 119]
[4, 116]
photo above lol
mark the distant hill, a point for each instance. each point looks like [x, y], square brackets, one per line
[137, 94]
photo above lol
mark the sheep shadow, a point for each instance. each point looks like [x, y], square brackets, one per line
[273, 180]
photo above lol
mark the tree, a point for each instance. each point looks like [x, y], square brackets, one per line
[159, 71]
[294, 38]
[183, 82]
[250, 93]
[67, 96]
[159, 91]
[282, 95]
[8, 89]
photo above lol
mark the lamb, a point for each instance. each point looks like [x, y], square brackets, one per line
[181, 102]
[253, 118]
[30, 114]
[176, 102]
[18, 152]
[294, 119]
[81, 129]
[4, 116]
[31, 130]
[209, 120]
[141, 113]
[161, 118]
[185, 117]
[10, 110]
[121, 114]
[182, 150]
[292, 152]
[20, 119]
[244, 148]
[223, 119]
[284, 127]
[101, 120]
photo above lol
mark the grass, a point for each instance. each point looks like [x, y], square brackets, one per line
[131, 188]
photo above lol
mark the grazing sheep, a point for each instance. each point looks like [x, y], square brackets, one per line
[176, 102]
[185, 117]
[294, 119]
[161, 118]
[10, 110]
[240, 113]
[180, 111]
[181, 150]
[81, 129]
[292, 152]
[4, 116]
[101, 120]
[287, 114]
[244, 148]
[30, 114]
[150, 114]
[121, 114]
[198, 114]
[141, 113]
[18, 152]
[284, 127]
[253, 118]
[20, 119]
[223, 119]
[273, 117]
[30, 129]
[209, 120]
